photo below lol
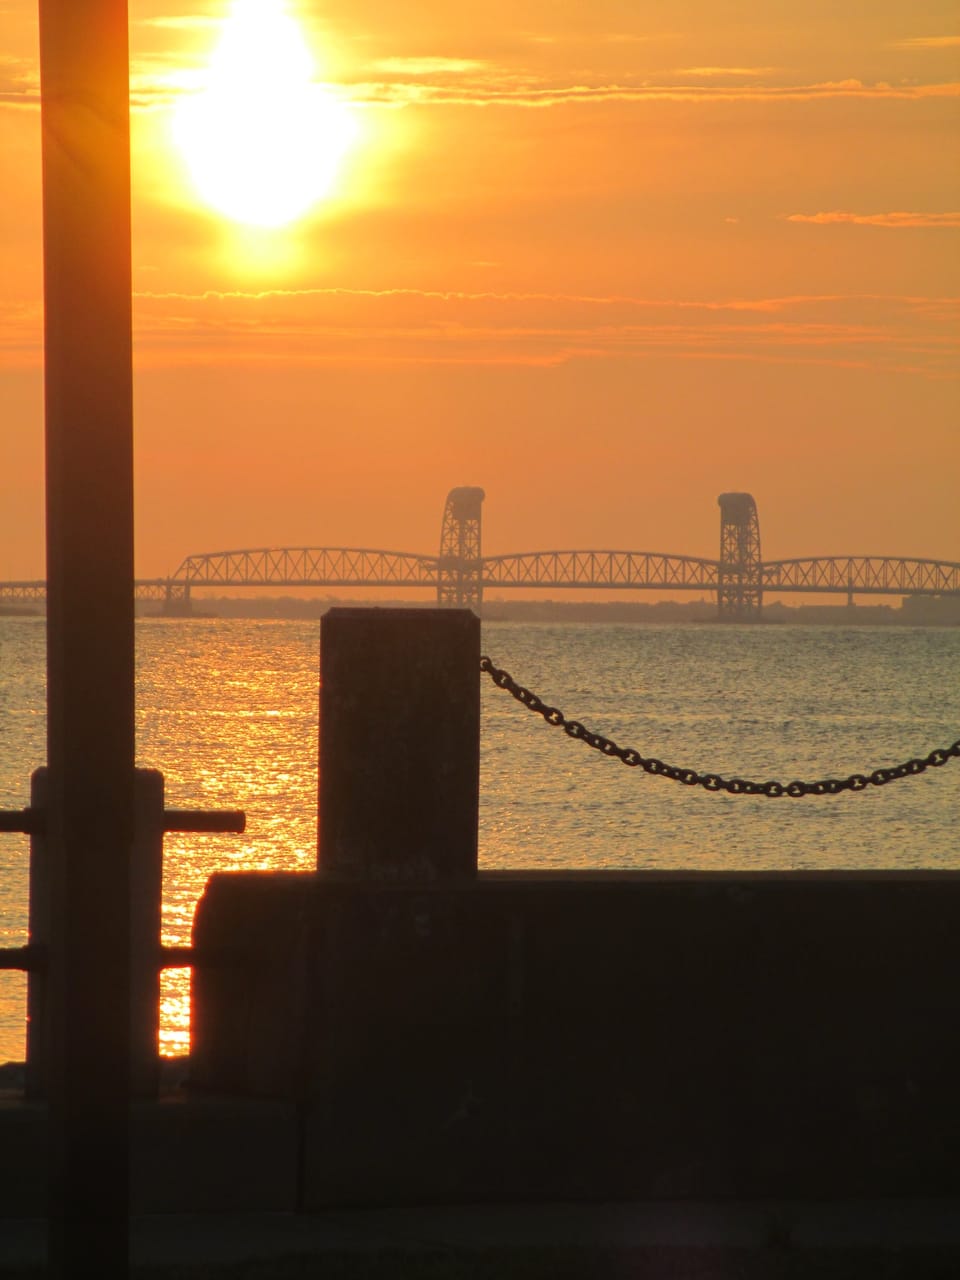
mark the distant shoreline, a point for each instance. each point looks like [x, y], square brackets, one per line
[915, 611]
[20, 611]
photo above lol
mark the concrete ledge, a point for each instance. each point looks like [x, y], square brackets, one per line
[214, 1155]
[187, 1154]
[23, 1167]
[590, 1038]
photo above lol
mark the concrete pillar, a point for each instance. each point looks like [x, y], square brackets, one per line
[399, 744]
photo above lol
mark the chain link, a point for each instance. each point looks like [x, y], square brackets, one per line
[713, 781]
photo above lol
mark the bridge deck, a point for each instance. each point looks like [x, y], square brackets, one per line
[298, 567]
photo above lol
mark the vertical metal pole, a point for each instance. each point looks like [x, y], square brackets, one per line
[89, 488]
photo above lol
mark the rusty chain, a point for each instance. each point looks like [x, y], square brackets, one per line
[713, 781]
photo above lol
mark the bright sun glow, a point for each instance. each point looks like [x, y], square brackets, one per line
[262, 141]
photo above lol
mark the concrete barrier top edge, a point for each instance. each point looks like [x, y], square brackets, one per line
[609, 879]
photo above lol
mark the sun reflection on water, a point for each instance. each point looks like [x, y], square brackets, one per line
[240, 731]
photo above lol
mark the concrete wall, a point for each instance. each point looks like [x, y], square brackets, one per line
[589, 1036]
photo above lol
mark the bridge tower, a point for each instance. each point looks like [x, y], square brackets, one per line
[460, 576]
[740, 589]
[176, 600]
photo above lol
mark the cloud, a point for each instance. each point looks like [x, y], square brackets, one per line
[428, 66]
[507, 93]
[599, 38]
[895, 219]
[158, 79]
[406, 326]
[182, 22]
[21, 334]
[394, 327]
[927, 42]
[720, 72]
[19, 83]
[777, 303]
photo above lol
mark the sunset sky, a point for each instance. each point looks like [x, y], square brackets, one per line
[605, 259]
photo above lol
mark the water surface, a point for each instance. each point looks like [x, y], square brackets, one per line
[228, 710]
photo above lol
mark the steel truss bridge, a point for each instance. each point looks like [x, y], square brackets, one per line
[460, 573]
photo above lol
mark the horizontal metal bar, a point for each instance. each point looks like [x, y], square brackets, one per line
[27, 820]
[232, 821]
[32, 958]
[190, 958]
[29, 959]
[228, 820]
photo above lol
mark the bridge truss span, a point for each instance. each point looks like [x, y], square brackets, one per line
[308, 567]
[23, 592]
[627, 570]
[865, 575]
[460, 574]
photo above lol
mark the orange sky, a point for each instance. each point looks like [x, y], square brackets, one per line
[604, 260]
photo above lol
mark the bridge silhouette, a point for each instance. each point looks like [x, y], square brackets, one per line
[460, 573]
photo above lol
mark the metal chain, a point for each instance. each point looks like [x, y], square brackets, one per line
[713, 781]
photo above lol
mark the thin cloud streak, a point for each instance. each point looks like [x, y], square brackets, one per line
[408, 326]
[19, 83]
[361, 329]
[895, 219]
[182, 22]
[719, 72]
[927, 42]
[724, 304]
[531, 96]
[158, 82]
[428, 66]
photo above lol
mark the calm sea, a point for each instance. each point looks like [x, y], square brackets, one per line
[228, 711]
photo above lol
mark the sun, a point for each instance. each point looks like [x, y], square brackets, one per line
[263, 142]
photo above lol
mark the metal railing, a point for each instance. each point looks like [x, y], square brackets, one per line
[31, 957]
